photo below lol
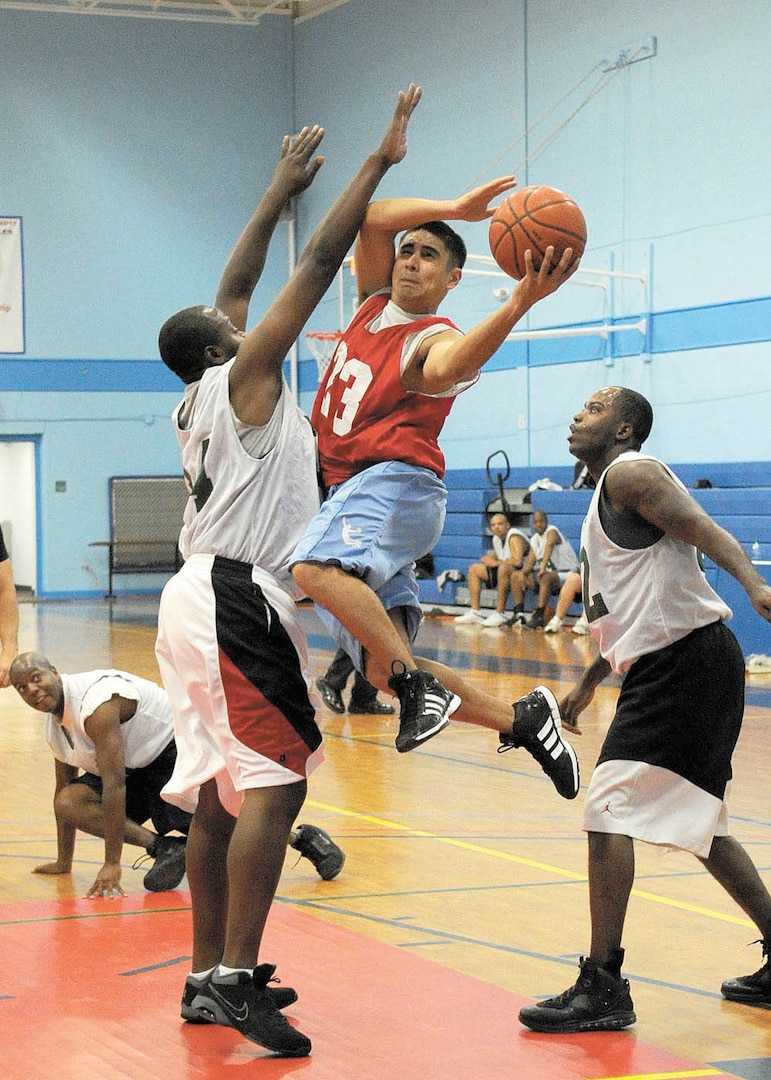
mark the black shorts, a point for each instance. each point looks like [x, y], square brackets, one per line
[143, 794]
[681, 708]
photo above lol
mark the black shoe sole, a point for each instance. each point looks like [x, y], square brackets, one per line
[759, 1003]
[614, 1022]
[211, 1008]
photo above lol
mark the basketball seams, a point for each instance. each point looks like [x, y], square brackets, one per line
[522, 221]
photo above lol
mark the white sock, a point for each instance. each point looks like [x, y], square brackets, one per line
[201, 975]
[221, 971]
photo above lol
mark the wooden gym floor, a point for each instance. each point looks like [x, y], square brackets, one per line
[463, 897]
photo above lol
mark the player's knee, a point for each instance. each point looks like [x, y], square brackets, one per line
[72, 801]
[303, 573]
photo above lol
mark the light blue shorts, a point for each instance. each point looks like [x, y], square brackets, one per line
[375, 526]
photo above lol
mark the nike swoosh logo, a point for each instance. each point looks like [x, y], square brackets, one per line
[239, 1014]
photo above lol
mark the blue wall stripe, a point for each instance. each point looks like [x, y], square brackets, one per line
[84, 376]
[738, 323]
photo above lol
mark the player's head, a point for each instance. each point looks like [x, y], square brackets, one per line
[38, 682]
[635, 410]
[499, 524]
[195, 339]
[540, 522]
[452, 242]
[427, 265]
[613, 419]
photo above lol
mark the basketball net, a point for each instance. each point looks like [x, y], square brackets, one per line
[322, 344]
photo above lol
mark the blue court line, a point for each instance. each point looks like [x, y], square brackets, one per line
[156, 967]
[563, 961]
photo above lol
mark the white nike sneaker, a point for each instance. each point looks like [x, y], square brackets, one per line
[496, 619]
[471, 618]
[553, 626]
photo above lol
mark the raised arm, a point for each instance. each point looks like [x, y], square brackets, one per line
[448, 359]
[386, 218]
[294, 173]
[255, 378]
[648, 489]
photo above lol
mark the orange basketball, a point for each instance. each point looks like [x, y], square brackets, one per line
[536, 218]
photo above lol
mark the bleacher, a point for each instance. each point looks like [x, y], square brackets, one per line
[466, 536]
[740, 501]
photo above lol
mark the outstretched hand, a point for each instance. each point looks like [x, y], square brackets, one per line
[475, 205]
[536, 284]
[107, 882]
[295, 170]
[394, 144]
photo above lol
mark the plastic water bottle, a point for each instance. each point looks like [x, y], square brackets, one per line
[755, 551]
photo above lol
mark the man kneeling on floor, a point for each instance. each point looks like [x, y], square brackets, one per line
[118, 729]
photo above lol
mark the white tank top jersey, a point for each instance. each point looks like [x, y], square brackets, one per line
[149, 730]
[252, 510]
[501, 546]
[563, 557]
[639, 600]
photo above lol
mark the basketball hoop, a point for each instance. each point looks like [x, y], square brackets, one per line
[322, 344]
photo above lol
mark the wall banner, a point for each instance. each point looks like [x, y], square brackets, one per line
[11, 286]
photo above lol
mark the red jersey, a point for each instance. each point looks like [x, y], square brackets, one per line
[363, 414]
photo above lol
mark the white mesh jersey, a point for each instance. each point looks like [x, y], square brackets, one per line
[149, 730]
[250, 509]
[501, 546]
[563, 557]
[639, 600]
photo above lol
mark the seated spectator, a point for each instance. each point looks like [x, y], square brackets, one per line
[548, 562]
[509, 548]
[569, 593]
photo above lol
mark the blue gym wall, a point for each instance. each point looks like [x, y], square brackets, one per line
[134, 151]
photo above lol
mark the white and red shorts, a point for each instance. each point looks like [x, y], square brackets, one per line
[233, 658]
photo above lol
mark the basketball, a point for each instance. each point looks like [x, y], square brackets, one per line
[536, 218]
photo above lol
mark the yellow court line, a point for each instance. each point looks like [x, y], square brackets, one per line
[547, 867]
[667, 1075]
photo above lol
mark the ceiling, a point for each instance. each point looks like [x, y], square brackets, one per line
[234, 12]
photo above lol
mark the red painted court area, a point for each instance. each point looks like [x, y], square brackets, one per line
[92, 988]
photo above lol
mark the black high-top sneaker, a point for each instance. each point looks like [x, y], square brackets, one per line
[242, 1001]
[751, 989]
[598, 1001]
